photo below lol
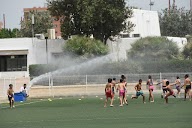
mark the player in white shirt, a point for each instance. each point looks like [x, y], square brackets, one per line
[24, 90]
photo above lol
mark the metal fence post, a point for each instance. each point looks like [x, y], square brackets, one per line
[52, 91]
[49, 83]
[86, 80]
[86, 84]
[160, 80]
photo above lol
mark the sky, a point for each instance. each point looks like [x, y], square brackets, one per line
[13, 9]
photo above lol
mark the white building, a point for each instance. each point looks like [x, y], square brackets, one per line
[181, 42]
[146, 23]
[17, 54]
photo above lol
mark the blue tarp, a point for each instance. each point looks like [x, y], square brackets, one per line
[19, 97]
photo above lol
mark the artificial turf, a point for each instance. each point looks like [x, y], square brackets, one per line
[89, 112]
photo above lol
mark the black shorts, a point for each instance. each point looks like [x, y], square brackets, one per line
[10, 98]
[188, 87]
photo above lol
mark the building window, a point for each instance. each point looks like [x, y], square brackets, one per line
[13, 63]
[125, 35]
[136, 35]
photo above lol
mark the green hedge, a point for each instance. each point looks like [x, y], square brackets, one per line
[39, 69]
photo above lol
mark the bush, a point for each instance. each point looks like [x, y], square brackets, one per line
[84, 46]
[153, 48]
[39, 69]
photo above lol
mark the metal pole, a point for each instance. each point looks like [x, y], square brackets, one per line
[4, 20]
[191, 5]
[33, 22]
[169, 6]
[150, 5]
[86, 80]
[49, 84]
[86, 85]
[32, 30]
[161, 80]
[46, 49]
[52, 91]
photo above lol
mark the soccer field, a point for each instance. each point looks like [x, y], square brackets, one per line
[70, 112]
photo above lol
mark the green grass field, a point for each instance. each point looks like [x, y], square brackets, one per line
[89, 112]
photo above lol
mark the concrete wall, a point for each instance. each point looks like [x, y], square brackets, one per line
[34, 48]
[14, 74]
[121, 46]
[54, 46]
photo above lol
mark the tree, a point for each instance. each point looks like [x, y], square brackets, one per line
[8, 33]
[102, 18]
[43, 21]
[176, 22]
[153, 49]
[84, 46]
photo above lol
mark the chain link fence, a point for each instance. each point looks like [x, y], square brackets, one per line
[51, 85]
[102, 79]
[75, 85]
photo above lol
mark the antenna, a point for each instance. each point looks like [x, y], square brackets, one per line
[191, 5]
[151, 4]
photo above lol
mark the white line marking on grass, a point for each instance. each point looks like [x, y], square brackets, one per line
[25, 104]
[41, 100]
